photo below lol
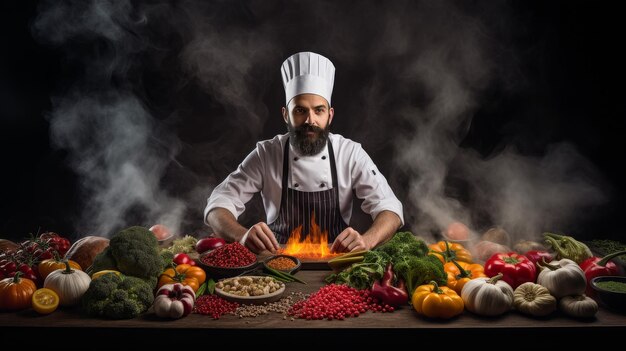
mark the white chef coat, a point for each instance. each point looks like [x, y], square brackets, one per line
[262, 171]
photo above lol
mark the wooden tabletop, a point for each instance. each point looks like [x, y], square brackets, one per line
[403, 320]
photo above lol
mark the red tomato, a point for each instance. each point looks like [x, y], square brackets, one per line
[183, 258]
[160, 231]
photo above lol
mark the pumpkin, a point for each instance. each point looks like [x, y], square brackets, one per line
[562, 278]
[50, 265]
[84, 250]
[447, 251]
[16, 293]
[433, 301]
[533, 299]
[488, 296]
[69, 284]
[580, 306]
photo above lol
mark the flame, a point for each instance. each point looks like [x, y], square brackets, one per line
[314, 246]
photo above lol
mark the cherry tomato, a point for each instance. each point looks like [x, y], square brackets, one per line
[183, 258]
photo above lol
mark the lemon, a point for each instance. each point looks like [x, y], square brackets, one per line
[45, 301]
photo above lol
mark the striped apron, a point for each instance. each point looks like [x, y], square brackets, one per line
[296, 207]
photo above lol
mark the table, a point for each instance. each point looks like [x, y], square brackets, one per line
[368, 328]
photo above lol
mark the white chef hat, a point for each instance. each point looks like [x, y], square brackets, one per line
[308, 73]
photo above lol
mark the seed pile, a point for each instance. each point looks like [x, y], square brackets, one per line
[230, 255]
[214, 306]
[281, 306]
[337, 302]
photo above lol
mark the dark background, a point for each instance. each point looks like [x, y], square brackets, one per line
[557, 75]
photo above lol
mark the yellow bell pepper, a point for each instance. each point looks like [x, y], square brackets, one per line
[433, 301]
[447, 251]
[460, 273]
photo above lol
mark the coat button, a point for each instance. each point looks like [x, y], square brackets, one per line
[296, 185]
[322, 185]
[323, 157]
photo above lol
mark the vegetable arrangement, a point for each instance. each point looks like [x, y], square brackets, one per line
[129, 274]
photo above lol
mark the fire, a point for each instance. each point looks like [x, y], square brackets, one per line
[314, 246]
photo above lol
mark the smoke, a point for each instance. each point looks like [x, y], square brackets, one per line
[160, 101]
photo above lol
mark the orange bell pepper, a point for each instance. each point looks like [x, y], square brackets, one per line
[185, 274]
[446, 251]
[460, 273]
[433, 301]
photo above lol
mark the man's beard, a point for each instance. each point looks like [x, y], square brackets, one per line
[300, 140]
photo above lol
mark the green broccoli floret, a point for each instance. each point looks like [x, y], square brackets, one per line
[117, 297]
[417, 271]
[404, 244]
[133, 251]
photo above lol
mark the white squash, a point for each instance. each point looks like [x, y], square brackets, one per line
[562, 278]
[580, 306]
[487, 296]
[70, 284]
[533, 299]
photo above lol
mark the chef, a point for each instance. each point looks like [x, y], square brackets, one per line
[306, 172]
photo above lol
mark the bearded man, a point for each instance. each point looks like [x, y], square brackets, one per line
[305, 173]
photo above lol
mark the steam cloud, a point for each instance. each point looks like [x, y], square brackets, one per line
[167, 98]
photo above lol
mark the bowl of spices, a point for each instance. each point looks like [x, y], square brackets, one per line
[253, 290]
[228, 261]
[283, 263]
[611, 291]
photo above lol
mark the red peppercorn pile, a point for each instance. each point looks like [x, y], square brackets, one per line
[230, 255]
[337, 302]
[214, 305]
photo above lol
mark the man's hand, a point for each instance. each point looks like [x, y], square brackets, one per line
[349, 240]
[261, 238]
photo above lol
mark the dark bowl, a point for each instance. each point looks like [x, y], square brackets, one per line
[224, 272]
[613, 300]
[292, 270]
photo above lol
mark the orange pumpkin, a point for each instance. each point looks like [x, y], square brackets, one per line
[16, 293]
[185, 274]
[50, 265]
[447, 251]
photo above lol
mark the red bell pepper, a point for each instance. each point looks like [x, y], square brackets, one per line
[598, 266]
[388, 293]
[515, 268]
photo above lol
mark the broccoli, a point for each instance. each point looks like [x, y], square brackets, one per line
[404, 244]
[362, 275]
[417, 271]
[117, 297]
[133, 251]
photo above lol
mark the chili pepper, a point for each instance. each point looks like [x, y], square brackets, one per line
[387, 292]
[597, 266]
